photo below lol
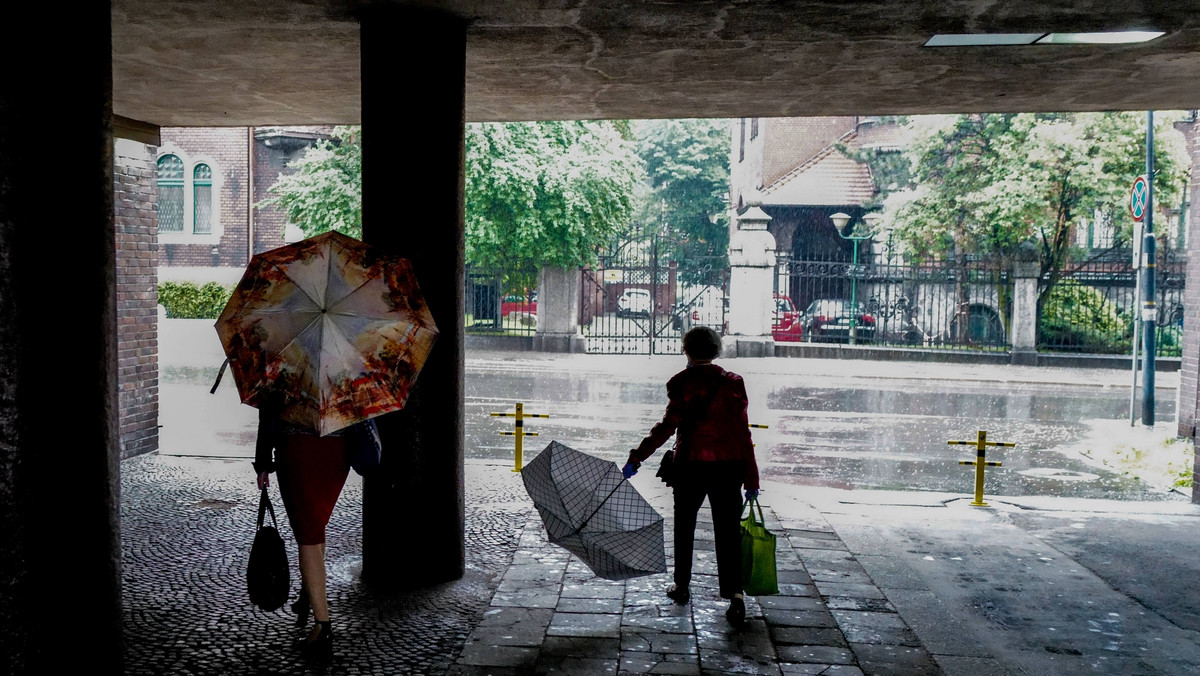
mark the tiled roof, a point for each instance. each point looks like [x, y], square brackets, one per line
[829, 178]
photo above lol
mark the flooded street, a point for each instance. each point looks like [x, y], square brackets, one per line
[836, 423]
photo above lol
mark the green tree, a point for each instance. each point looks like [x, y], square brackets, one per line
[324, 190]
[986, 183]
[546, 193]
[983, 184]
[537, 193]
[687, 168]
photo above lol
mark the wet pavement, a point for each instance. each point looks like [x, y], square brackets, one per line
[1072, 569]
[836, 423]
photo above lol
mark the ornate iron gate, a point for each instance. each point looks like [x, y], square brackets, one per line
[638, 300]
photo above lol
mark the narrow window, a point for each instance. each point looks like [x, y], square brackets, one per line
[742, 140]
[170, 194]
[753, 128]
[202, 204]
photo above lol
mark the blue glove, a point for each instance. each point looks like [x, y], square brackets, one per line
[751, 494]
[629, 469]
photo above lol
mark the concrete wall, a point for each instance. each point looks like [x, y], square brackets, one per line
[134, 207]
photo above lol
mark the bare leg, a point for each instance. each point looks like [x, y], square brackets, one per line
[312, 576]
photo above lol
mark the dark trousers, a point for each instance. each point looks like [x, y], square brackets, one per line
[721, 483]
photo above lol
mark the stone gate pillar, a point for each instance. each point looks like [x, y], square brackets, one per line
[751, 284]
[413, 74]
[558, 311]
[1023, 328]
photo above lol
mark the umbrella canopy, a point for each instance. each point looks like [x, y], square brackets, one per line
[336, 325]
[591, 511]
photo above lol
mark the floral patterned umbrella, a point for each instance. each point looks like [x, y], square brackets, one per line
[337, 325]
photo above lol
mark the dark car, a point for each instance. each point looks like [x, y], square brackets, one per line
[829, 319]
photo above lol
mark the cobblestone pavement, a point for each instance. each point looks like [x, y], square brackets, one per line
[550, 615]
[524, 605]
[186, 528]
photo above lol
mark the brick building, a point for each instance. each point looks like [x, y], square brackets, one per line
[209, 179]
[794, 167]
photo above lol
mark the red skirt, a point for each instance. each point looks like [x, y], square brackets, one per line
[312, 471]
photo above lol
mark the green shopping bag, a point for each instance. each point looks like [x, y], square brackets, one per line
[758, 554]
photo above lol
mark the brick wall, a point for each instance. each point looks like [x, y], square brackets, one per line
[1188, 415]
[134, 204]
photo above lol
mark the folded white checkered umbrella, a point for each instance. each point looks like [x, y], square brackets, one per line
[591, 511]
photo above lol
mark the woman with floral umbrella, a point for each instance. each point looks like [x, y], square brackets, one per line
[321, 335]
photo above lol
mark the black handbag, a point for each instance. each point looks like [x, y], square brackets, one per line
[666, 469]
[366, 451]
[268, 576]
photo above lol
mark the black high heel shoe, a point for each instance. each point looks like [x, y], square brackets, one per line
[319, 646]
[302, 607]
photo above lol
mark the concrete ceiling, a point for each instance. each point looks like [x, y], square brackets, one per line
[260, 62]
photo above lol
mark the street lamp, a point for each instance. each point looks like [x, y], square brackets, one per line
[840, 223]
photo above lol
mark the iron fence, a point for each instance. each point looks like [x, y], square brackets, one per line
[500, 302]
[1091, 308]
[963, 305]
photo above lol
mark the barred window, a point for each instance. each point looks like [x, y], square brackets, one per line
[170, 194]
[202, 199]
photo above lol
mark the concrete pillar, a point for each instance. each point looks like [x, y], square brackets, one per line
[60, 600]
[413, 70]
[751, 284]
[1023, 329]
[558, 311]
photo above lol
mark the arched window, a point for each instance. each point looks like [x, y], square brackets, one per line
[170, 194]
[202, 199]
[189, 198]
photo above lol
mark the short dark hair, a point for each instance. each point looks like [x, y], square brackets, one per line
[702, 343]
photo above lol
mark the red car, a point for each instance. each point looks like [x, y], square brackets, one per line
[785, 328]
[519, 305]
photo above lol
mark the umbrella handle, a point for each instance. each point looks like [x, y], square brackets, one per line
[220, 374]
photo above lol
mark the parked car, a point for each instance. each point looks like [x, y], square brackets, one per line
[523, 307]
[634, 302]
[705, 307]
[828, 319]
[786, 327]
[517, 304]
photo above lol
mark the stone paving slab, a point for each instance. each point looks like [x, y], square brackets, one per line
[829, 618]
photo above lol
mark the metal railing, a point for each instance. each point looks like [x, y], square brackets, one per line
[946, 304]
[1090, 308]
[500, 302]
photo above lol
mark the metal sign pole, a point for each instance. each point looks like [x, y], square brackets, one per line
[1149, 311]
[1136, 242]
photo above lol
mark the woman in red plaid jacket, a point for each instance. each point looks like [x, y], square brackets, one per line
[714, 458]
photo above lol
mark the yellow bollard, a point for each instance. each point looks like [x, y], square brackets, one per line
[756, 426]
[981, 443]
[519, 432]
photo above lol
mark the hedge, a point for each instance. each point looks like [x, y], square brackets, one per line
[188, 300]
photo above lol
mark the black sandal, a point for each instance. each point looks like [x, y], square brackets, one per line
[321, 645]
